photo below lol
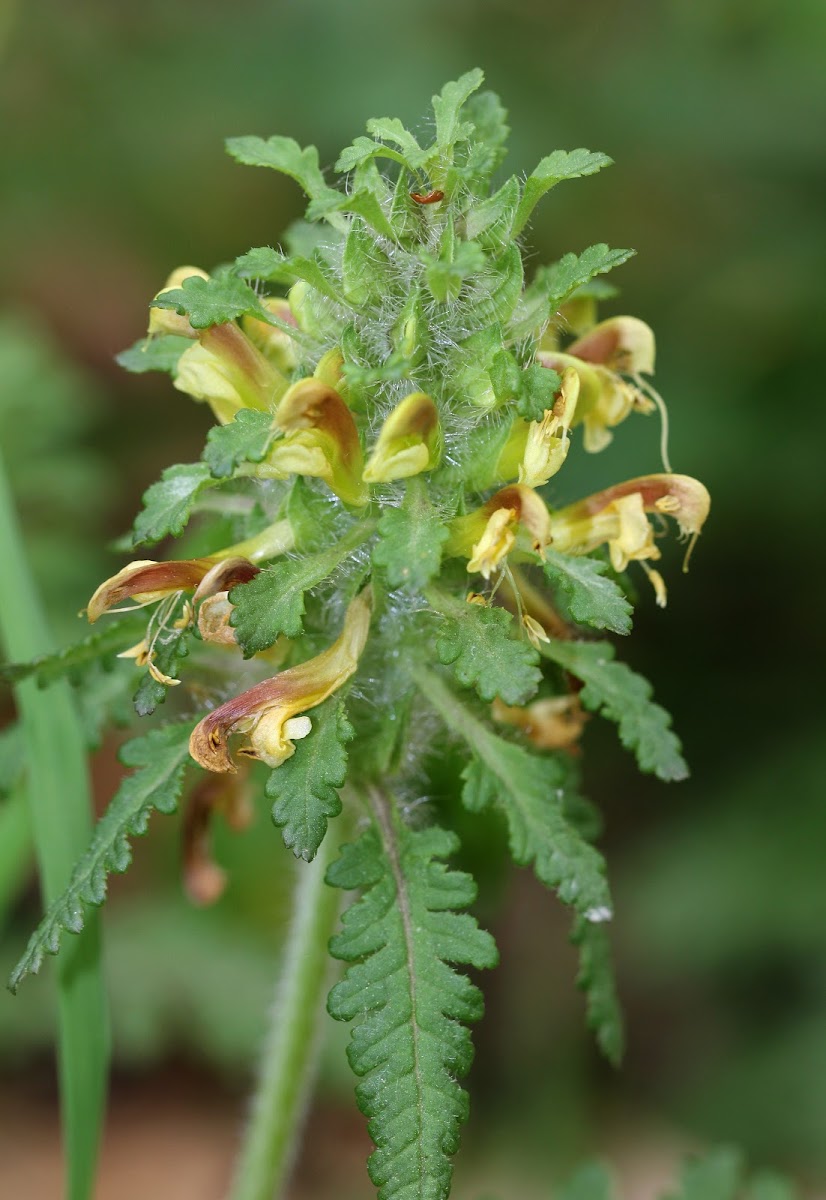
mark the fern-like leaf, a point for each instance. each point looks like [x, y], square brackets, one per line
[411, 1043]
[159, 760]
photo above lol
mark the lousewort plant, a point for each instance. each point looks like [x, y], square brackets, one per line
[383, 573]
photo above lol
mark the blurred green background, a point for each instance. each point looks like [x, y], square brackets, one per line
[113, 118]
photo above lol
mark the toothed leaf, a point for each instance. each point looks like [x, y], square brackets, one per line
[100, 646]
[529, 791]
[158, 353]
[478, 645]
[246, 439]
[592, 597]
[562, 164]
[596, 979]
[272, 603]
[212, 301]
[558, 282]
[168, 504]
[402, 939]
[285, 155]
[159, 760]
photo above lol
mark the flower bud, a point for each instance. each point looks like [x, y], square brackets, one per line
[555, 723]
[409, 441]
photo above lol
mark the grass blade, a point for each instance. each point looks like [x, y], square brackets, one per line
[60, 814]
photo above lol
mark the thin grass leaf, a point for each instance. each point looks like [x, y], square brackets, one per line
[59, 799]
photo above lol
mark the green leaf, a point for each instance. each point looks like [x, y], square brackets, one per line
[529, 791]
[390, 129]
[246, 439]
[212, 301]
[495, 294]
[411, 1043]
[490, 220]
[558, 282]
[272, 603]
[285, 155]
[409, 549]
[715, 1177]
[614, 690]
[159, 760]
[304, 789]
[74, 661]
[596, 979]
[490, 132]
[592, 597]
[168, 504]
[158, 353]
[477, 643]
[447, 108]
[562, 164]
[591, 1182]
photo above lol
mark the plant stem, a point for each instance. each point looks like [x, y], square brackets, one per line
[289, 1057]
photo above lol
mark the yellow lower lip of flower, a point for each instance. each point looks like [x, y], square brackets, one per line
[265, 712]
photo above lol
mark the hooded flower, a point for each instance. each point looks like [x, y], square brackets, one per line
[409, 441]
[228, 371]
[146, 581]
[270, 714]
[618, 516]
[274, 343]
[535, 450]
[487, 536]
[320, 439]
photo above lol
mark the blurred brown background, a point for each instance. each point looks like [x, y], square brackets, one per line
[113, 118]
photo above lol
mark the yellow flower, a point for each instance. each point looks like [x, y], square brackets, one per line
[488, 535]
[270, 714]
[409, 441]
[273, 342]
[320, 439]
[548, 440]
[555, 723]
[618, 516]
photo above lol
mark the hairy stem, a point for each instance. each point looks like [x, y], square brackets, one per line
[289, 1056]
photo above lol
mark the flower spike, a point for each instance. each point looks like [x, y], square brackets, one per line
[271, 713]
